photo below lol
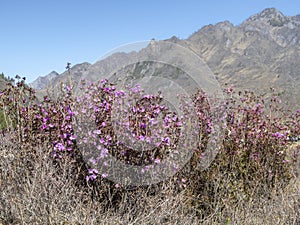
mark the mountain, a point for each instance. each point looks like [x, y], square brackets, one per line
[53, 78]
[261, 52]
[44, 81]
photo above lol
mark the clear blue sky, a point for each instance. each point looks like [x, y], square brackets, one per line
[38, 36]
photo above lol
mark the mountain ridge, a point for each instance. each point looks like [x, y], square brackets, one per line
[260, 52]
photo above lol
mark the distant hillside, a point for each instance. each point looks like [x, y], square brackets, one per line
[3, 81]
[43, 82]
[261, 52]
[53, 78]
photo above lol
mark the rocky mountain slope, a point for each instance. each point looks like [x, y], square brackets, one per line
[44, 81]
[53, 78]
[261, 52]
[264, 48]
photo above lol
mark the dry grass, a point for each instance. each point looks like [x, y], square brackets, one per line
[41, 195]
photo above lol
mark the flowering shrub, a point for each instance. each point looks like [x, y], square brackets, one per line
[254, 160]
[84, 130]
[143, 121]
[43, 124]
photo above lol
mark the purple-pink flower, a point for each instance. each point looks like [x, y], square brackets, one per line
[59, 146]
[104, 175]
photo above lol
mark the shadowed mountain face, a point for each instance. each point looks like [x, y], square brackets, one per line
[261, 52]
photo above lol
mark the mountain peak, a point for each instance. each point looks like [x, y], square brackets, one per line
[173, 39]
[53, 73]
[271, 15]
[225, 25]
